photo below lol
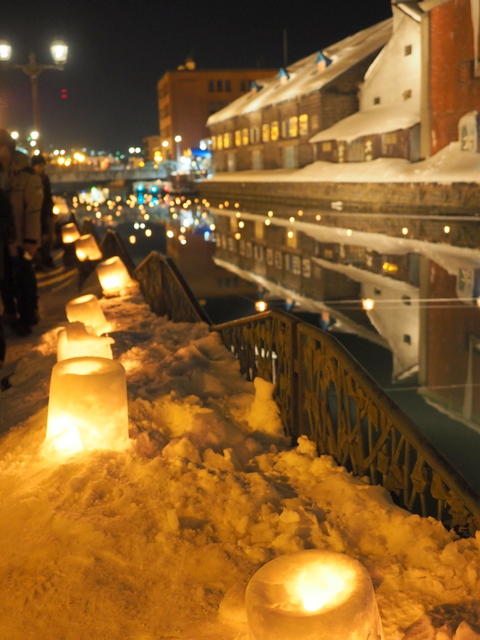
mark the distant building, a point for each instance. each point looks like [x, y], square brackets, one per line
[188, 96]
[152, 145]
[270, 127]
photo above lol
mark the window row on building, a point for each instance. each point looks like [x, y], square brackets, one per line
[292, 127]
[225, 85]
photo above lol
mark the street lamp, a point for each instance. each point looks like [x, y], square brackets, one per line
[165, 145]
[178, 139]
[59, 52]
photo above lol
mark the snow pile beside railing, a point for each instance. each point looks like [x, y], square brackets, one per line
[159, 541]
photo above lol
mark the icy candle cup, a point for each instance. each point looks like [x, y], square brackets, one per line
[86, 248]
[74, 341]
[113, 276]
[319, 595]
[87, 407]
[70, 233]
[87, 309]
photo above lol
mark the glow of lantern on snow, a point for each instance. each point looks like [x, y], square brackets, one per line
[87, 407]
[74, 341]
[87, 309]
[70, 233]
[113, 276]
[86, 248]
[312, 594]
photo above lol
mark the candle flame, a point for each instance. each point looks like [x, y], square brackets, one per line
[319, 586]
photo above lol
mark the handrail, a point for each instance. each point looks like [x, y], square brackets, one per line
[166, 291]
[324, 393]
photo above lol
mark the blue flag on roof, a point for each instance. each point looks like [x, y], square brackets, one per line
[321, 57]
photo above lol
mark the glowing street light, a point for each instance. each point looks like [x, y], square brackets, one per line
[59, 52]
[14, 135]
[178, 140]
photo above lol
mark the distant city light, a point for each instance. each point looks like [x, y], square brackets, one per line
[349, 232]
[237, 236]
[446, 229]
[368, 304]
[318, 217]
[177, 139]
[131, 149]
[132, 239]
[170, 234]
[405, 231]
[148, 233]
[290, 234]
[270, 214]
[212, 227]
[59, 51]
[241, 224]
[14, 135]
[5, 51]
[33, 143]
[34, 135]
[268, 222]
[136, 225]
[291, 219]
[261, 306]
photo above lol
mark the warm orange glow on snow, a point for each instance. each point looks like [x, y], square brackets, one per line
[114, 277]
[87, 407]
[74, 341]
[86, 248]
[87, 309]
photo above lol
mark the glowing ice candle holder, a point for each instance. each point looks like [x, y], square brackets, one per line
[70, 233]
[87, 309]
[87, 407]
[86, 248]
[74, 341]
[114, 277]
[313, 594]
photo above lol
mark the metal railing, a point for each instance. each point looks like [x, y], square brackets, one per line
[323, 393]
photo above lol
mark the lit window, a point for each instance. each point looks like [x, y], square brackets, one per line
[245, 138]
[390, 138]
[293, 127]
[408, 50]
[227, 140]
[326, 146]
[303, 124]
[274, 130]
[219, 142]
[238, 138]
[284, 128]
[265, 132]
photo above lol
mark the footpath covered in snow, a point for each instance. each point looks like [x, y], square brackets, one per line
[158, 542]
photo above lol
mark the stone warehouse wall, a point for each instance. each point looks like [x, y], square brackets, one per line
[405, 198]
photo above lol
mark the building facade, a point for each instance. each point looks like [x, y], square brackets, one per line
[271, 126]
[454, 68]
[188, 96]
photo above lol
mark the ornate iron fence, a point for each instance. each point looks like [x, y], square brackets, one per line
[166, 292]
[324, 393]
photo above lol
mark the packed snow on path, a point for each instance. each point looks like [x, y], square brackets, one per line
[159, 541]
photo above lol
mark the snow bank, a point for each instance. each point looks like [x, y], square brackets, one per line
[447, 166]
[159, 541]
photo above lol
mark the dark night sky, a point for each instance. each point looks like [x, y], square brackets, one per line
[118, 50]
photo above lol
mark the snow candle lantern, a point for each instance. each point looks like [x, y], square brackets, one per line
[114, 277]
[70, 233]
[87, 407]
[87, 309]
[86, 248]
[312, 594]
[74, 341]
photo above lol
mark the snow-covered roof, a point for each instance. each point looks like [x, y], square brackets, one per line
[305, 76]
[370, 121]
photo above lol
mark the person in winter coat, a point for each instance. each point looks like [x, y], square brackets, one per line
[7, 234]
[45, 260]
[25, 194]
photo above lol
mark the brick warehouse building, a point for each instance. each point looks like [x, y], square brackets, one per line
[188, 96]
[455, 68]
[270, 127]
